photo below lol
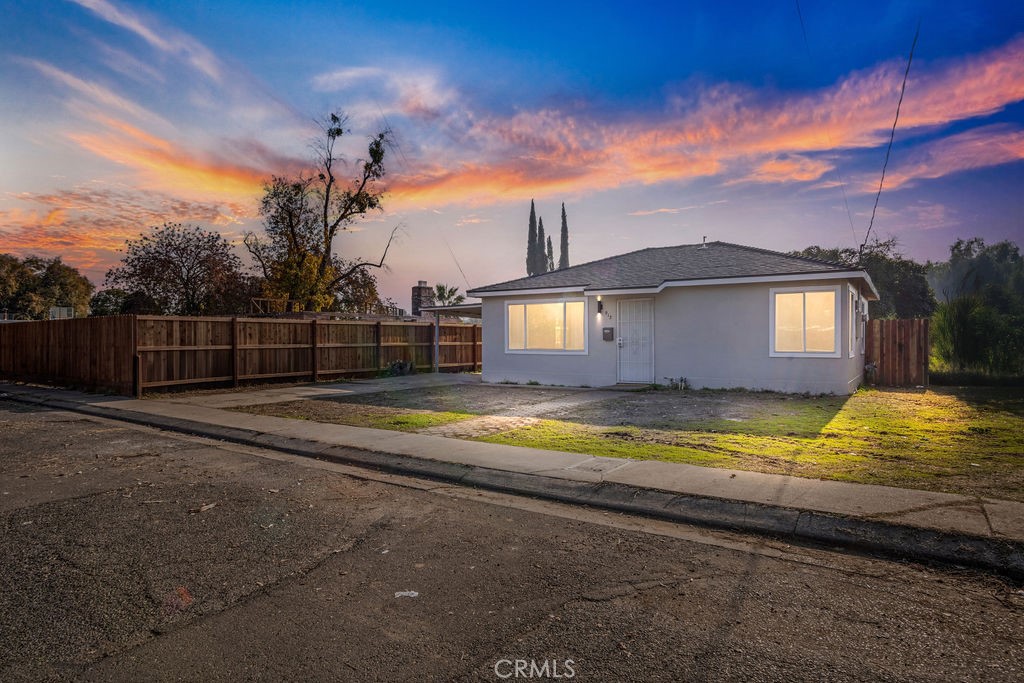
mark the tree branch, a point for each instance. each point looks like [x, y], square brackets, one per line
[364, 264]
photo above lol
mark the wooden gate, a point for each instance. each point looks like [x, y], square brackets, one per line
[898, 350]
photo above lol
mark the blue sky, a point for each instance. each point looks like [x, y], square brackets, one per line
[655, 124]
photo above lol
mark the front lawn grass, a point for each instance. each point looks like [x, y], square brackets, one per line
[961, 441]
[374, 417]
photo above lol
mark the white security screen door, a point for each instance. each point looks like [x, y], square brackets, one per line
[636, 341]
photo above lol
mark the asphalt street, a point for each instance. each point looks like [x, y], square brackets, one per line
[134, 554]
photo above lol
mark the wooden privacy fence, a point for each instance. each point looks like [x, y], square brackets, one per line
[93, 353]
[899, 350]
[128, 354]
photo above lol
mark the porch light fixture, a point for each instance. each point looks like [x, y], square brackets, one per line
[600, 305]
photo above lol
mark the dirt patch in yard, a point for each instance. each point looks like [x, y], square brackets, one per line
[747, 412]
[501, 399]
[706, 410]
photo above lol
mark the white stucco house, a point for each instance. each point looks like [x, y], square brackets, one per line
[720, 315]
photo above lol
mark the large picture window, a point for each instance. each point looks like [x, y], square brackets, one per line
[804, 322]
[547, 326]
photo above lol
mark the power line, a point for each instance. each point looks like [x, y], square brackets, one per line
[452, 252]
[803, 29]
[892, 136]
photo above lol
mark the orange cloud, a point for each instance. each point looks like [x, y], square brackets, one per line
[654, 212]
[978, 148]
[471, 219]
[733, 132]
[88, 225]
[170, 168]
[791, 168]
[55, 217]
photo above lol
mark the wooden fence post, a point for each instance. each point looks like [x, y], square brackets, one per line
[234, 352]
[314, 347]
[136, 358]
[437, 342]
[138, 374]
[477, 360]
[379, 341]
[926, 351]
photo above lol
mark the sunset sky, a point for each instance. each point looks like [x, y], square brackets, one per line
[763, 123]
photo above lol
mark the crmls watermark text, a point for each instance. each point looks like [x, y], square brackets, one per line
[531, 668]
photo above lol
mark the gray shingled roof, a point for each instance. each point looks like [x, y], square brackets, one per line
[651, 267]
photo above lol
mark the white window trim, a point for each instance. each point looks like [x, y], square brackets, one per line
[862, 322]
[550, 352]
[853, 304]
[836, 323]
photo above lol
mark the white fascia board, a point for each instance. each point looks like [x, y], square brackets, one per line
[871, 286]
[624, 292]
[528, 292]
[753, 279]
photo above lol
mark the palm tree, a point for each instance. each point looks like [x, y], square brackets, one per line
[446, 295]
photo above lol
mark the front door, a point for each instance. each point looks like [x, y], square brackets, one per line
[636, 341]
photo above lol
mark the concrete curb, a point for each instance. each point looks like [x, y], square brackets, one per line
[1002, 556]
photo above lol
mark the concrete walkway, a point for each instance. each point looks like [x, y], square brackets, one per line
[906, 523]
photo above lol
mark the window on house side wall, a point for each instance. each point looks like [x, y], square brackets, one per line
[804, 322]
[556, 326]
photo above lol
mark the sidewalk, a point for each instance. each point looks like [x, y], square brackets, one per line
[912, 524]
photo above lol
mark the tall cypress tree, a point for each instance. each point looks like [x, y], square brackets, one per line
[531, 242]
[540, 254]
[551, 255]
[563, 249]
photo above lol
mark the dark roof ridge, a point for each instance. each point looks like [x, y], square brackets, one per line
[580, 265]
[788, 255]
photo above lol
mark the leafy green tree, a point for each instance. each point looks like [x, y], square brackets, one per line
[108, 301]
[979, 325]
[551, 256]
[958, 332]
[16, 281]
[303, 215]
[358, 294]
[563, 249]
[114, 301]
[184, 270]
[531, 242]
[994, 272]
[30, 287]
[447, 295]
[60, 285]
[902, 284]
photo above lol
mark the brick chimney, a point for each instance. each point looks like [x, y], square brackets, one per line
[422, 295]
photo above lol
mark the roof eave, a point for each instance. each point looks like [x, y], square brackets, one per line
[526, 291]
[870, 291]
